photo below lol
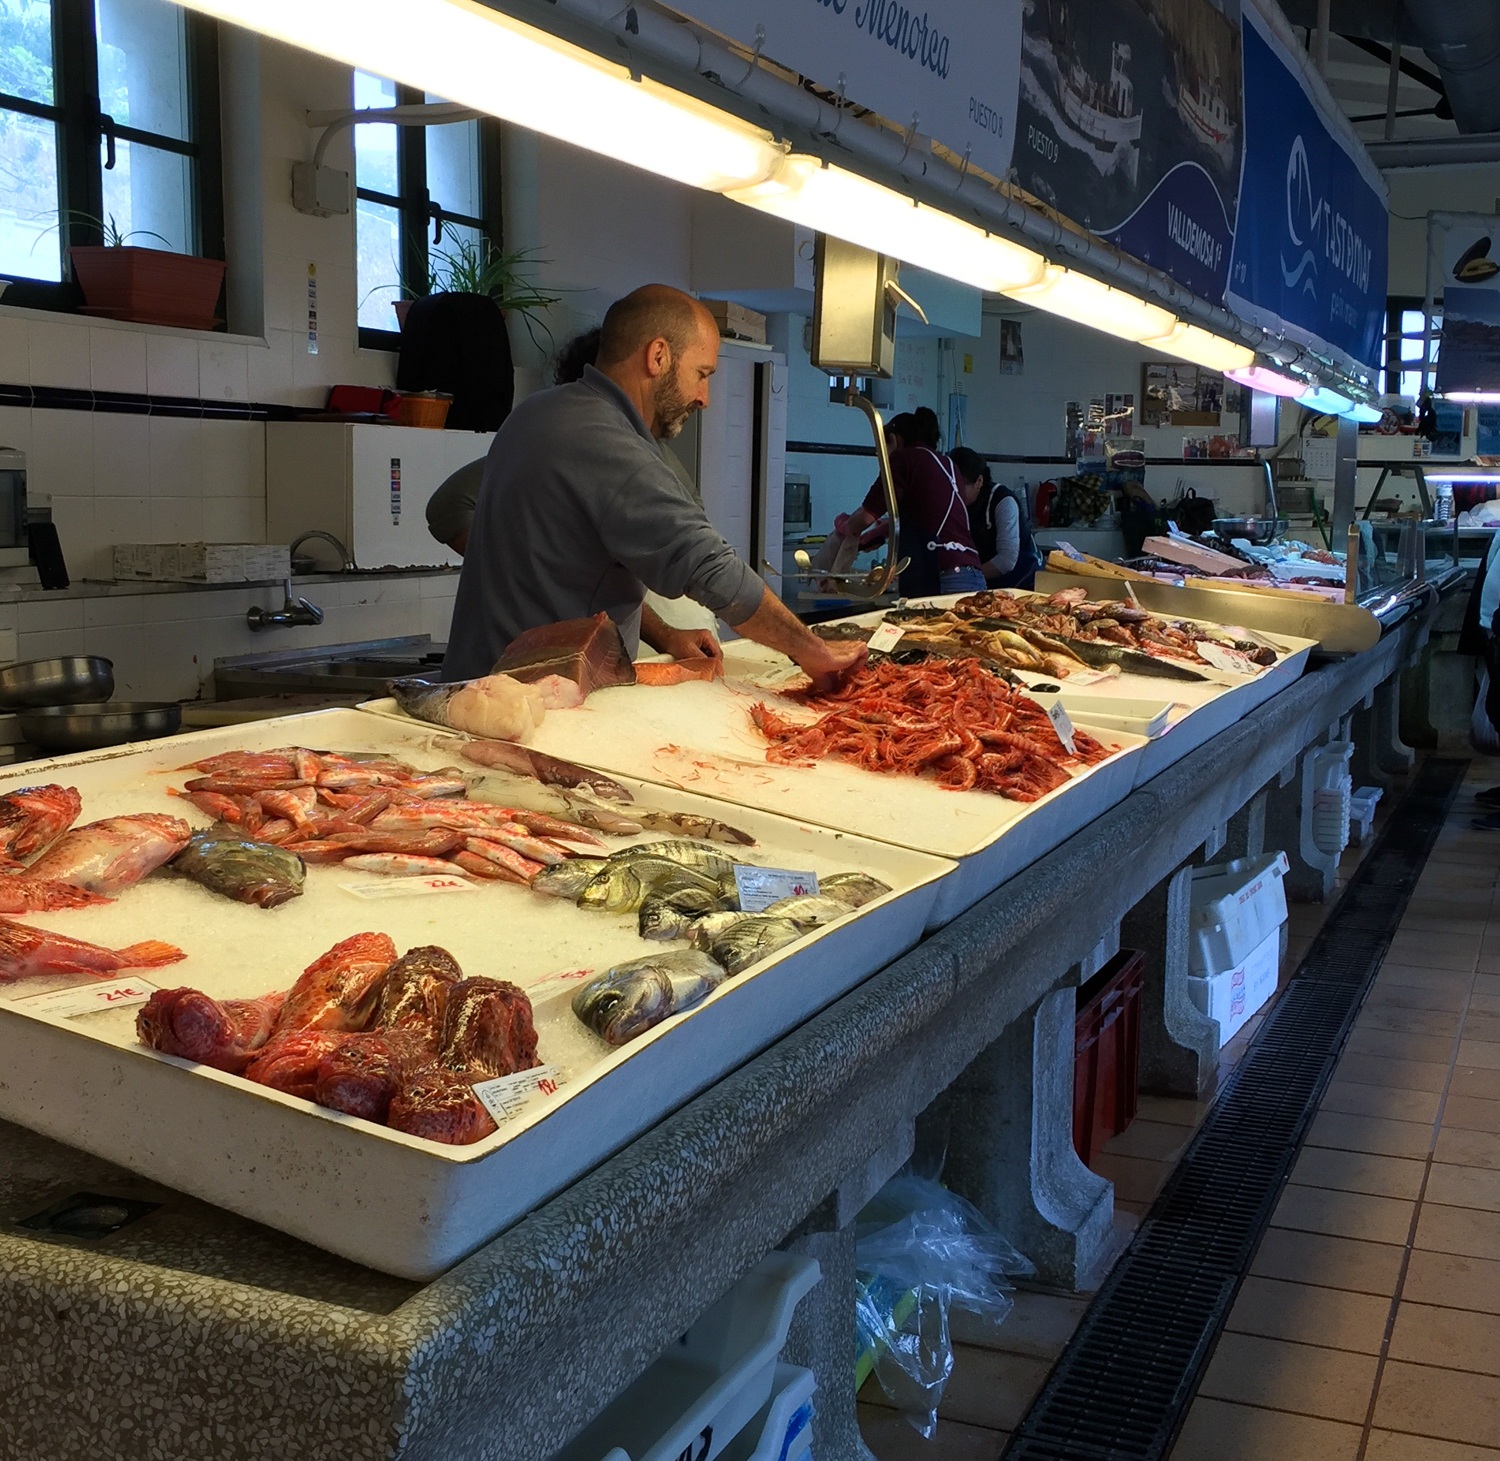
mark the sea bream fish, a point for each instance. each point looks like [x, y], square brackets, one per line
[26, 952]
[621, 887]
[751, 939]
[631, 998]
[108, 856]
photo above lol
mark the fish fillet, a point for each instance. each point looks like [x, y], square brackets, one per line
[589, 652]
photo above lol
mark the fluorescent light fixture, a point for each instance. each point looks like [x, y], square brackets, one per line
[1272, 382]
[1203, 347]
[1324, 401]
[1365, 415]
[471, 54]
[1463, 478]
[1087, 302]
[830, 200]
[1482, 398]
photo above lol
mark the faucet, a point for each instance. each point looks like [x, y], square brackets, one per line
[294, 611]
[346, 559]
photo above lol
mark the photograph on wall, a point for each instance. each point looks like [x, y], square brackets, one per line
[1470, 357]
[1130, 121]
[1012, 353]
[1177, 394]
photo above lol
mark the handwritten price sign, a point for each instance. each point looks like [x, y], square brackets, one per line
[508, 1095]
[88, 999]
[409, 887]
[759, 887]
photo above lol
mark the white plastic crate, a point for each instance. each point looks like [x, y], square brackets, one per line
[707, 1388]
[783, 1429]
[1362, 813]
[1233, 996]
[1235, 905]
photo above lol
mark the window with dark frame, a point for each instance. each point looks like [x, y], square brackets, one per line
[1401, 352]
[109, 129]
[422, 192]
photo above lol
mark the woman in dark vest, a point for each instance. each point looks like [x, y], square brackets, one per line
[998, 523]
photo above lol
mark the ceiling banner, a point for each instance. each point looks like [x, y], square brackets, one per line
[1309, 254]
[1130, 123]
[953, 64]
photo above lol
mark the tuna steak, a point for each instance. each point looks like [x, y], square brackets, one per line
[590, 652]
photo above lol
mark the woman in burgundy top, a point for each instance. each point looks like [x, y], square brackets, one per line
[934, 517]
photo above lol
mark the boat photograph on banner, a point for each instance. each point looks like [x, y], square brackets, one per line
[1132, 124]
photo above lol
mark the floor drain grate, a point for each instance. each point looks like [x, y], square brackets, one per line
[1121, 1388]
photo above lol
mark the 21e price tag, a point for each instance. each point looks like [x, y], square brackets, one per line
[885, 638]
[759, 887]
[507, 1096]
[88, 999]
[409, 887]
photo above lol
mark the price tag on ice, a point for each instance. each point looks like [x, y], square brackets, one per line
[1062, 724]
[885, 638]
[409, 887]
[88, 999]
[759, 887]
[508, 1095]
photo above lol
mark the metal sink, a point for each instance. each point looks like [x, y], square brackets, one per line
[339, 669]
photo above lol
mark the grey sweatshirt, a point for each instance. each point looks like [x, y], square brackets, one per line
[578, 513]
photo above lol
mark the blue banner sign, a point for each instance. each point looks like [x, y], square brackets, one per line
[1309, 255]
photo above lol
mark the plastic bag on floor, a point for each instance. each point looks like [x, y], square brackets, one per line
[920, 1251]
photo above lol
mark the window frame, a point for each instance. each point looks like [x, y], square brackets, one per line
[1394, 367]
[82, 126]
[414, 207]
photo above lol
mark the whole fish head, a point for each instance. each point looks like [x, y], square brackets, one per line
[624, 1003]
[422, 699]
[660, 920]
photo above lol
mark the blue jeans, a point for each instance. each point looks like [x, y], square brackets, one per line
[961, 581]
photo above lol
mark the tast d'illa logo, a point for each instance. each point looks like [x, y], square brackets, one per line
[1317, 231]
[1301, 220]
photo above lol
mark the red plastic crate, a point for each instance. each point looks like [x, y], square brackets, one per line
[1107, 1052]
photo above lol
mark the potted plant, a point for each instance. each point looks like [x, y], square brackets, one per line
[123, 281]
[477, 266]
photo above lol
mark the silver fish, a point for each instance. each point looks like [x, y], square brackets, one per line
[751, 939]
[708, 928]
[690, 824]
[623, 887]
[811, 911]
[708, 861]
[629, 999]
[568, 879]
[855, 889]
[670, 911]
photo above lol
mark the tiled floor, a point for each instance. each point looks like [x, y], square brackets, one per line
[1368, 1327]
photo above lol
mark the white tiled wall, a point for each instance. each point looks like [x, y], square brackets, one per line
[164, 645]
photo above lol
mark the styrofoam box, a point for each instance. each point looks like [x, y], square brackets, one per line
[1235, 905]
[1233, 996]
[783, 1429]
[713, 1383]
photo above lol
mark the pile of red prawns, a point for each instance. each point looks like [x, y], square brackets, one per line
[399, 1041]
[377, 814]
[951, 719]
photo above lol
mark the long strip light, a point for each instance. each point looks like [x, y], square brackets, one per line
[1259, 378]
[831, 200]
[1364, 415]
[1203, 347]
[471, 54]
[1473, 398]
[1086, 301]
[1324, 401]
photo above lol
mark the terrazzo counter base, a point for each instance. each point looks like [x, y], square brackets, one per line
[194, 1335]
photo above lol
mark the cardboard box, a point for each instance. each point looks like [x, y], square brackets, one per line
[736, 322]
[1233, 996]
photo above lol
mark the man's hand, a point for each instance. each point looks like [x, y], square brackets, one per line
[830, 664]
[690, 644]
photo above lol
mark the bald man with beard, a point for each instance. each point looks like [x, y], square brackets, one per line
[578, 513]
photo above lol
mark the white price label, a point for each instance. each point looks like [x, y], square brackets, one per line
[88, 999]
[759, 887]
[507, 1096]
[886, 638]
[1088, 677]
[1062, 724]
[409, 887]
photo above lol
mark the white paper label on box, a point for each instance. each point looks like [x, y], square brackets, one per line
[759, 887]
[886, 638]
[410, 887]
[88, 999]
[1062, 724]
[507, 1096]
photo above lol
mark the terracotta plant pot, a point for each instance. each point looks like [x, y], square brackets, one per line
[401, 308]
[148, 286]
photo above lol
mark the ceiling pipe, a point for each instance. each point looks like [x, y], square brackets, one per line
[1462, 39]
[911, 163]
[1437, 151]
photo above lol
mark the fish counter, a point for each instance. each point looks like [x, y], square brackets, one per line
[506, 1355]
[397, 1067]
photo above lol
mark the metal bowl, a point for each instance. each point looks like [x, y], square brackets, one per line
[75, 679]
[1258, 531]
[88, 727]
